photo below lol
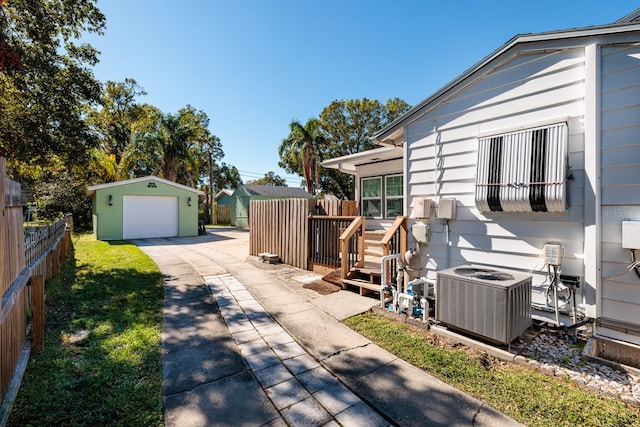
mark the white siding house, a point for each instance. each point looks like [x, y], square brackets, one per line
[539, 142]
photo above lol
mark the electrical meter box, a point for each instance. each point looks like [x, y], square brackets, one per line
[422, 208]
[631, 234]
[420, 233]
[553, 253]
[447, 209]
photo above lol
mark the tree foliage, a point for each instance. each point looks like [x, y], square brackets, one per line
[347, 127]
[343, 128]
[301, 151]
[46, 83]
[115, 121]
[173, 146]
[269, 178]
[225, 176]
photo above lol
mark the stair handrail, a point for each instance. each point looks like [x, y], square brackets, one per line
[358, 223]
[400, 223]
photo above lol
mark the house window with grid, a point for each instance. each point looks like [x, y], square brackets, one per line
[372, 197]
[393, 195]
[382, 196]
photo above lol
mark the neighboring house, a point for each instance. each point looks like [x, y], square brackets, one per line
[224, 197]
[143, 208]
[245, 193]
[538, 142]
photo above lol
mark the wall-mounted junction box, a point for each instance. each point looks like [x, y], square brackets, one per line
[553, 253]
[447, 209]
[420, 233]
[421, 208]
[631, 234]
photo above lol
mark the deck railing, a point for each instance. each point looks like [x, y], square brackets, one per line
[352, 246]
[395, 242]
[324, 239]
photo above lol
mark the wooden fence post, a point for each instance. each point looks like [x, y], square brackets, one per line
[55, 262]
[37, 312]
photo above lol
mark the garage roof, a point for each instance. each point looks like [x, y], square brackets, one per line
[92, 189]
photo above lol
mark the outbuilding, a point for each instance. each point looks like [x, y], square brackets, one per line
[144, 208]
[243, 195]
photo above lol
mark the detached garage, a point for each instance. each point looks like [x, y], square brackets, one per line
[144, 208]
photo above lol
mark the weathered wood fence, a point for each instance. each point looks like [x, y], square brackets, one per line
[282, 227]
[25, 264]
[222, 214]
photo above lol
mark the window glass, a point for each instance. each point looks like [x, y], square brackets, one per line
[371, 187]
[372, 197]
[394, 208]
[371, 208]
[394, 185]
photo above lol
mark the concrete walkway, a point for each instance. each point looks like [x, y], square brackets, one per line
[246, 344]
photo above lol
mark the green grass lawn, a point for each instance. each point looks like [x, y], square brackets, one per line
[523, 394]
[101, 364]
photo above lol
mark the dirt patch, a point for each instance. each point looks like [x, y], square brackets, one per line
[334, 277]
[322, 287]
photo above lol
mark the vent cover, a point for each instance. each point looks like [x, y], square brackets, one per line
[491, 304]
[523, 171]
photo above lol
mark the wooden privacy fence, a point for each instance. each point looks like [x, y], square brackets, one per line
[280, 227]
[25, 263]
[222, 214]
[285, 227]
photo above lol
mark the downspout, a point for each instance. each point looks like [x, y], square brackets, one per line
[592, 188]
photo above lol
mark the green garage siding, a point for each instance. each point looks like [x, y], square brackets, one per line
[172, 209]
[245, 193]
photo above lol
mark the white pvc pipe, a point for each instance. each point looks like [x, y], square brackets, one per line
[383, 278]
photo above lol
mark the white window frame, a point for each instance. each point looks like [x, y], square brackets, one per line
[388, 197]
[383, 198]
[364, 199]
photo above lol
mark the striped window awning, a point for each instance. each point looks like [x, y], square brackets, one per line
[523, 171]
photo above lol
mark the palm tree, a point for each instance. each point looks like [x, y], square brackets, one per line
[301, 150]
[172, 144]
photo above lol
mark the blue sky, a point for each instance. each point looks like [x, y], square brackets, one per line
[254, 65]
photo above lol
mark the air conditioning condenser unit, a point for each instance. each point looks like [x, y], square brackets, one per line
[491, 304]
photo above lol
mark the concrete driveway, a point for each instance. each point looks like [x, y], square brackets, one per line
[246, 343]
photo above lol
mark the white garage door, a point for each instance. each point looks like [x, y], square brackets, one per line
[149, 216]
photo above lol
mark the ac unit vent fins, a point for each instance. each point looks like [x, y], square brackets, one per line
[491, 304]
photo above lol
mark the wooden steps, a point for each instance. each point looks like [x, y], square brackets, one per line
[367, 278]
[365, 287]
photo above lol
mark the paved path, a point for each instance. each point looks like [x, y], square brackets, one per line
[247, 344]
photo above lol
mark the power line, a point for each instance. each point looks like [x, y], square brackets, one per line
[257, 175]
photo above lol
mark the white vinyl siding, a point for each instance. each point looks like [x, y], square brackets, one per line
[620, 183]
[518, 92]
